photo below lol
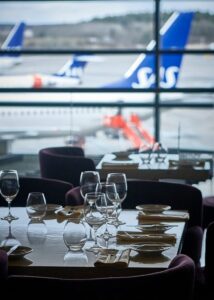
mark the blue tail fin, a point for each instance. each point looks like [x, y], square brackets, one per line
[74, 67]
[174, 35]
[15, 38]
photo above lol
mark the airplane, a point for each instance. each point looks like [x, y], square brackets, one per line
[174, 35]
[69, 75]
[13, 41]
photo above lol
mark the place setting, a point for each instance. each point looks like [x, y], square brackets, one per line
[113, 258]
[160, 212]
[154, 227]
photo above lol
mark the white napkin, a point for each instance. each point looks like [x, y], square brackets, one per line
[74, 212]
[166, 216]
[118, 259]
[187, 163]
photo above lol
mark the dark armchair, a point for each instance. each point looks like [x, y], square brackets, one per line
[54, 190]
[64, 163]
[177, 282]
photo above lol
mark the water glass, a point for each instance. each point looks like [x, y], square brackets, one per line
[75, 234]
[36, 205]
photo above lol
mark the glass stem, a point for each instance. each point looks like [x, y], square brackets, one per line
[95, 237]
[9, 206]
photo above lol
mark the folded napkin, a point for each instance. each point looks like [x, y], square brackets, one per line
[187, 163]
[69, 212]
[120, 165]
[166, 216]
[118, 258]
[140, 237]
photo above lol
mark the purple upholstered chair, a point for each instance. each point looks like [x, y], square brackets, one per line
[177, 282]
[205, 275]
[73, 197]
[54, 190]
[64, 163]
[3, 265]
[208, 210]
[209, 257]
[178, 196]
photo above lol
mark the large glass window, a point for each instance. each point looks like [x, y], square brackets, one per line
[84, 63]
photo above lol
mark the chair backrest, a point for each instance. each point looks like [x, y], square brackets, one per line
[3, 265]
[64, 166]
[178, 196]
[65, 150]
[176, 282]
[73, 197]
[54, 190]
[209, 256]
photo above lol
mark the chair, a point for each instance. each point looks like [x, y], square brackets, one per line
[177, 282]
[179, 197]
[73, 197]
[208, 210]
[3, 265]
[64, 163]
[54, 190]
[205, 275]
[209, 261]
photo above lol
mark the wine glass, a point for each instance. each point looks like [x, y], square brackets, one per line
[94, 217]
[109, 189]
[36, 205]
[119, 179]
[9, 188]
[160, 151]
[88, 182]
[145, 152]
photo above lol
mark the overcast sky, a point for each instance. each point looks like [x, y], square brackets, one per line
[47, 12]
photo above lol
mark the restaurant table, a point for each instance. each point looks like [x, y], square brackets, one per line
[49, 250]
[170, 169]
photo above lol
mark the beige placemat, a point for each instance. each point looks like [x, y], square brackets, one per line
[139, 237]
[169, 216]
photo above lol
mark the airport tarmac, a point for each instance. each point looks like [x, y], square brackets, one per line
[196, 125]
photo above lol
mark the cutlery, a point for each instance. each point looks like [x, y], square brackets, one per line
[108, 258]
[118, 256]
[12, 249]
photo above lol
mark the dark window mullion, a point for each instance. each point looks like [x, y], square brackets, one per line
[157, 69]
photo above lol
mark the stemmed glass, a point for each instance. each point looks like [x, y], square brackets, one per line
[160, 151]
[119, 179]
[9, 188]
[107, 207]
[145, 152]
[94, 217]
[88, 182]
